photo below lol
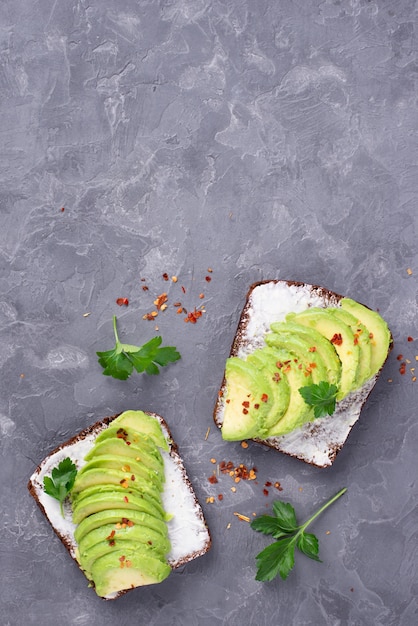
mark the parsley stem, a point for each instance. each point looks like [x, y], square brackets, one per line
[115, 330]
[322, 509]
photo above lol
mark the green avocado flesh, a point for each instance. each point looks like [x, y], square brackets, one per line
[247, 402]
[341, 336]
[298, 412]
[128, 465]
[142, 423]
[279, 385]
[114, 446]
[342, 346]
[118, 534]
[318, 344]
[121, 525]
[379, 333]
[117, 500]
[126, 569]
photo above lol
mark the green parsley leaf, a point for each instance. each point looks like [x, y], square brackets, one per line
[124, 358]
[321, 397]
[268, 525]
[279, 557]
[309, 545]
[61, 481]
[286, 516]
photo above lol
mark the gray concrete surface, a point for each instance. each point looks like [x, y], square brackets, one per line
[264, 139]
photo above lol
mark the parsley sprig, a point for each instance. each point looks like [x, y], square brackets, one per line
[61, 481]
[321, 397]
[123, 358]
[279, 557]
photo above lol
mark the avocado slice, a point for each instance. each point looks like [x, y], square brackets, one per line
[129, 436]
[361, 336]
[116, 516]
[142, 423]
[125, 569]
[310, 362]
[138, 536]
[100, 501]
[113, 446]
[109, 488]
[126, 536]
[341, 336]
[279, 386]
[247, 400]
[136, 471]
[379, 333]
[298, 412]
[318, 344]
[104, 476]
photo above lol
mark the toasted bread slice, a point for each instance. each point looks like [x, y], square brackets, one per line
[187, 529]
[316, 442]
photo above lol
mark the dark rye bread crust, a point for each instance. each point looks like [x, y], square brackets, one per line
[329, 298]
[98, 427]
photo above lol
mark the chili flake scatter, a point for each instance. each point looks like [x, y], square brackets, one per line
[337, 339]
[165, 276]
[122, 301]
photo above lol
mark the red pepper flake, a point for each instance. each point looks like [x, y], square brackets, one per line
[126, 499]
[265, 491]
[144, 288]
[256, 406]
[160, 301]
[225, 468]
[245, 411]
[337, 339]
[183, 289]
[193, 316]
[122, 301]
[399, 357]
[246, 404]
[220, 497]
[125, 520]
[212, 479]
[355, 340]
[410, 339]
[122, 558]
[371, 335]
[133, 477]
[165, 276]
[208, 279]
[177, 304]
[62, 209]
[264, 397]
[150, 316]
[121, 434]
[201, 296]
[402, 368]
[312, 349]
[130, 523]
[267, 484]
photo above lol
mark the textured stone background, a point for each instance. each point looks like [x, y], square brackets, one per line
[264, 139]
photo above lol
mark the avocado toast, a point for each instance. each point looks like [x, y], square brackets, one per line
[308, 336]
[131, 525]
